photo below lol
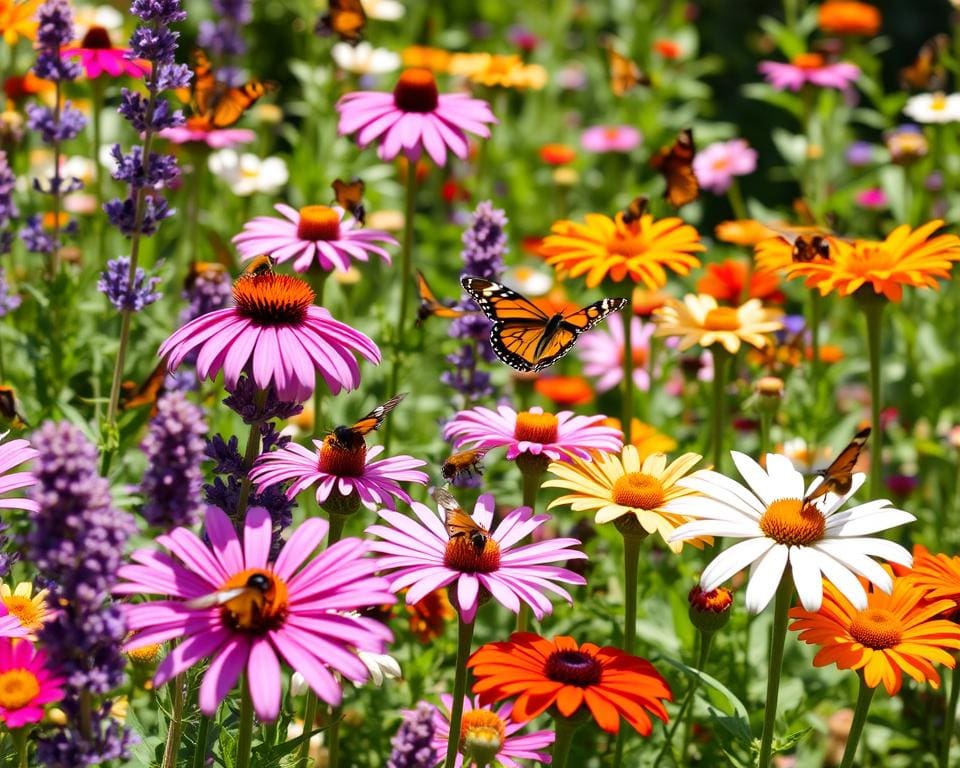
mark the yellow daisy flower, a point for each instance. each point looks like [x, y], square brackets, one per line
[30, 609]
[700, 320]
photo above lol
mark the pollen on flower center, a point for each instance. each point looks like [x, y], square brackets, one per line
[416, 91]
[939, 102]
[481, 728]
[24, 609]
[472, 554]
[638, 490]
[722, 319]
[808, 61]
[97, 38]
[867, 256]
[318, 222]
[18, 687]
[876, 628]
[272, 299]
[335, 459]
[790, 522]
[260, 605]
[574, 668]
[536, 427]
[611, 133]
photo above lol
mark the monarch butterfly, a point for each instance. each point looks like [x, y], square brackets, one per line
[260, 265]
[463, 464]
[246, 607]
[349, 196]
[344, 18]
[524, 336]
[351, 437]
[147, 393]
[430, 305]
[675, 163]
[625, 75]
[636, 209]
[838, 477]
[217, 105]
[927, 72]
[457, 522]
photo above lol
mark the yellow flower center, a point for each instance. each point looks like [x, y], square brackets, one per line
[481, 728]
[939, 102]
[416, 91]
[145, 654]
[318, 222]
[808, 61]
[18, 687]
[722, 319]
[876, 628]
[23, 608]
[260, 605]
[536, 427]
[638, 490]
[790, 522]
[866, 257]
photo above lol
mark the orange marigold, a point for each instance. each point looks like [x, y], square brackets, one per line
[847, 17]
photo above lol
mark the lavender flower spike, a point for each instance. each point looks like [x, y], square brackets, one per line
[413, 743]
[114, 284]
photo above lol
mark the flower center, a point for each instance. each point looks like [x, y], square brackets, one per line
[639, 357]
[23, 608]
[866, 257]
[717, 601]
[722, 319]
[876, 628]
[257, 602]
[638, 491]
[790, 522]
[342, 461]
[612, 133]
[808, 61]
[939, 102]
[18, 687]
[482, 734]
[97, 38]
[145, 654]
[472, 552]
[416, 91]
[574, 668]
[536, 427]
[318, 222]
[272, 299]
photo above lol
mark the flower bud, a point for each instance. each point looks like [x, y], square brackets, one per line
[710, 611]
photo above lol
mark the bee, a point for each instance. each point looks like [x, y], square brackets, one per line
[351, 438]
[636, 209]
[459, 523]
[252, 605]
[463, 464]
[261, 265]
[10, 408]
[838, 477]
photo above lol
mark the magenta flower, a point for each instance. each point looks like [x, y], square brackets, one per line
[611, 138]
[556, 437]
[717, 164]
[277, 334]
[602, 353]
[423, 557]
[413, 118]
[13, 454]
[26, 684]
[98, 57]
[483, 728]
[338, 470]
[809, 68]
[215, 138]
[316, 232]
[300, 618]
[873, 198]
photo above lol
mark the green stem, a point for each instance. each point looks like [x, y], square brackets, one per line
[21, 741]
[631, 562]
[175, 728]
[464, 639]
[200, 750]
[249, 456]
[565, 729]
[627, 420]
[96, 109]
[194, 193]
[702, 653]
[245, 733]
[778, 637]
[950, 721]
[737, 204]
[864, 697]
[766, 419]
[873, 307]
[721, 360]
[333, 737]
[309, 719]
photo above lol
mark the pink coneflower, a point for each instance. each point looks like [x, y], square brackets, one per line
[413, 118]
[809, 68]
[98, 56]
[602, 353]
[339, 470]
[12, 454]
[611, 138]
[215, 138]
[314, 234]
[717, 164]
[423, 557]
[873, 198]
[487, 734]
[26, 684]
[299, 615]
[277, 334]
[555, 436]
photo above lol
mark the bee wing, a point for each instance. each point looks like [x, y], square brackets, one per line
[215, 598]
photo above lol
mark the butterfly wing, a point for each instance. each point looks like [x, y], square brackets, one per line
[625, 75]
[205, 86]
[346, 19]
[927, 72]
[349, 196]
[838, 475]
[375, 418]
[149, 392]
[572, 326]
[232, 104]
[675, 164]
[430, 305]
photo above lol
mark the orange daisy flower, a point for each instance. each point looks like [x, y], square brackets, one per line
[847, 17]
[642, 250]
[18, 20]
[896, 633]
[724, 281]
[938, 576]
[609, 682]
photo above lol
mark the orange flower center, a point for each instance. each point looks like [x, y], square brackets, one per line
[577, 668]
[30, 615]
[97, 38]
[808, 61]
[638, 491]
[482, 728]
[318, 222]
[472, 553]
[611, 133]
[639, 357]
[722, 319]
[876, 628]
[939, 102]
[254, 601]
[536, 427]
[416, 91]
[18, 687]
[272, 299]
[627, 242]
[342, 461]
[867, 257]
[716, 601]
[790, 522]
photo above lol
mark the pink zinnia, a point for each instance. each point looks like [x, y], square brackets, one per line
[555, 436]
[716, 165]
[602, 353]
[215, 138]
[13, 454]
[98, 56]
[611, 138]
[872, 197]
[276, 333]
[413, 118]
[338, 470]
[301, 619]
[423, 557]
[26, 684]
[314, 234]
[809, 68]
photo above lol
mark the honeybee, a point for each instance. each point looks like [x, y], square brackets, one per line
[463, 464]
[351, 437]
[10, 408]
[838, 477]
[636, 209]
[807, 244]
[247, 606]
[459, 523]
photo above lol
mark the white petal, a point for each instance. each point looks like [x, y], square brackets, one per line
[866, 519]
[842, 578]
[733, 560]
[806, 577]
[857, 562]
[709, 509]
[722, 488]
[756, 478]
[765, 576]
[700, 528]
[786, 481]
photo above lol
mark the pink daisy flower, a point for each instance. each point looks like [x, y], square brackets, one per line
[555, 436]
[13, 454]
[316, 233]
[215, 138]
[98, 57]
[337, 470]
[413, 118]
[717, 164]
[611, 138]
[489, 734]
[424, 557]
[809, 68]
[601, 351]
[276, 333]
[26, 684]
[300, 618]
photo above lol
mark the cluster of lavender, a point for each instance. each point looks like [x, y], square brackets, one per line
[413, 742]
[114, 283]
[76, 540]
[8, 212]
[223, 38]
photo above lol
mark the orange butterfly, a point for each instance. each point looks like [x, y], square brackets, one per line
[463, 464]
[459, 523]
[147, 393]
[636, 209]
[217, 105]
[351, 437]
[838, 477]
[523, 335]
[927, 72]
[349, 196]
[344, 18]
[675, 163]
[431, 306]
[625, 75]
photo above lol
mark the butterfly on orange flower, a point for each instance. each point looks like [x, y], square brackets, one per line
[625, 75]
[927, 72]
[636, 209]
[344, 18]
[523, 335]
[216, 104]
[431, 306]
[675, 164]
[838, 477]
[463, 464]
[457, 522]
[133, 396]
[351, 437]
[349, 196]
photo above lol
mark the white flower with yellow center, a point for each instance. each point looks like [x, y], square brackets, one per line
[933, 108]
[364, 59]
[246, 174]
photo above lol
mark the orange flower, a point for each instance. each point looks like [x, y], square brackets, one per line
[905, 257]
[424, 57]
[776, 252]
[18, 20]
[669, 49]
[605, 248]
[505, 71]
[847, 17]
[557, 154]
[724, 281]
[938, 576]
[561, 673]
[20, 87]
[647, 439]
[565, 391]
[645, 302]
[743, 231]
[829, 353]
[896, 633]
[429, 616]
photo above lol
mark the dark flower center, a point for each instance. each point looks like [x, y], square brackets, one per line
[272, 299]
[337, 460]
[574, 668]
[416, 91]
[97, 38]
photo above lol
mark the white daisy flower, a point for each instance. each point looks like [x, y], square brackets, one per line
[817, 540]
[383, 10]
[364, 59]
[933, 108]
[246, 174]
